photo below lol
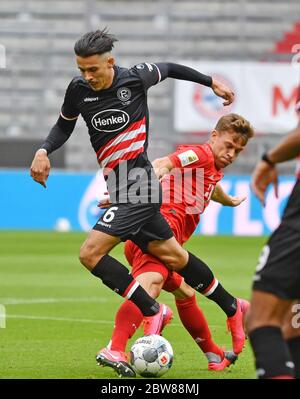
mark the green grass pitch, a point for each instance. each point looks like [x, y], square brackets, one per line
[58, 315]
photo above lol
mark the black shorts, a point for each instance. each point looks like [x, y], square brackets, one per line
[278, 270]
[140, 223]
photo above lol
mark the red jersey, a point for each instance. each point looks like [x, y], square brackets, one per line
[188, 189]
[298, 167]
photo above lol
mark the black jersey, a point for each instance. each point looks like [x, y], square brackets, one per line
[117, 120]
[298, 111]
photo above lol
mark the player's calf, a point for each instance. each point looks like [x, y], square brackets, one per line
[152, 282]
[116, 276]
[294, 348]
[271, 352]
[170, 253]
[95, 247]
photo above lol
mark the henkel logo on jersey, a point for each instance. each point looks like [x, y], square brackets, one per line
[110, 120]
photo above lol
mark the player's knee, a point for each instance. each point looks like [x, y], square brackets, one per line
[170, 262]
[184, 291]
[154, 290]
[262, 316]
[151, 282]
[289, 331]
[187, 291]
[176, 261]
[254, 320]
[291, 325]
[248, 322]
[85, 258]
[88, 256]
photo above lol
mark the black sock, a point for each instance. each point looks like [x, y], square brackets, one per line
[271, 352]
[294, 347]
[227, 302]
[197, 274]
[147, 305]
[117, 277]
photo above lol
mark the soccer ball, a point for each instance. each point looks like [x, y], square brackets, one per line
[151, 356]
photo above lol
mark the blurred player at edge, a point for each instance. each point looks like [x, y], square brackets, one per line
[113, 103]
[227, 140]
[276, 289]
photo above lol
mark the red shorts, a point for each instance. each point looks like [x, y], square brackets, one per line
[142, 263]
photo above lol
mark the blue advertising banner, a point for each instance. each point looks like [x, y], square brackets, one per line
[70, 203]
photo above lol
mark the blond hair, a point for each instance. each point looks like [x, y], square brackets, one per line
[236, 123]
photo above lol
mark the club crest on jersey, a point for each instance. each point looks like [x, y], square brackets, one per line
[110, 120]
[149, 66]
[188, 157]
[124, 94]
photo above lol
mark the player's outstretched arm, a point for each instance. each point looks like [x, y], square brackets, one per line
[182, 72]
[220, 196]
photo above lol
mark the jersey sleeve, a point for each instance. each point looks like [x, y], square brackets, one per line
[189, 157]
[148, 73]
[69, 110]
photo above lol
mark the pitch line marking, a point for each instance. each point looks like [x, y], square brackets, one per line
[67, 319]
[29, 317]
[25, 301]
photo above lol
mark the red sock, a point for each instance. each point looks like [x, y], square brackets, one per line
[282, 377]
[195, 322]
[127, 321]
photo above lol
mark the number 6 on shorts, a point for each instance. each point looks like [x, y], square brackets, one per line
[109, 214]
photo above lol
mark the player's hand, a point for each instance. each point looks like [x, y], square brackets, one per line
[262, 176]
[104, 205]
[235, 201]
[161, 172]
[221, 90]
[105, 201]
[40, 167]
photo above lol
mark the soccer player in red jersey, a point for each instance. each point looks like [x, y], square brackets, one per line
[193, 181]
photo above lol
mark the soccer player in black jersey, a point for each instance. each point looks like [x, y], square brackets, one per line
[273, 321]
[113, 102]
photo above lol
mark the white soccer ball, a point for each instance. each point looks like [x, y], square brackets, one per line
[151, 356]
[62, 225]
